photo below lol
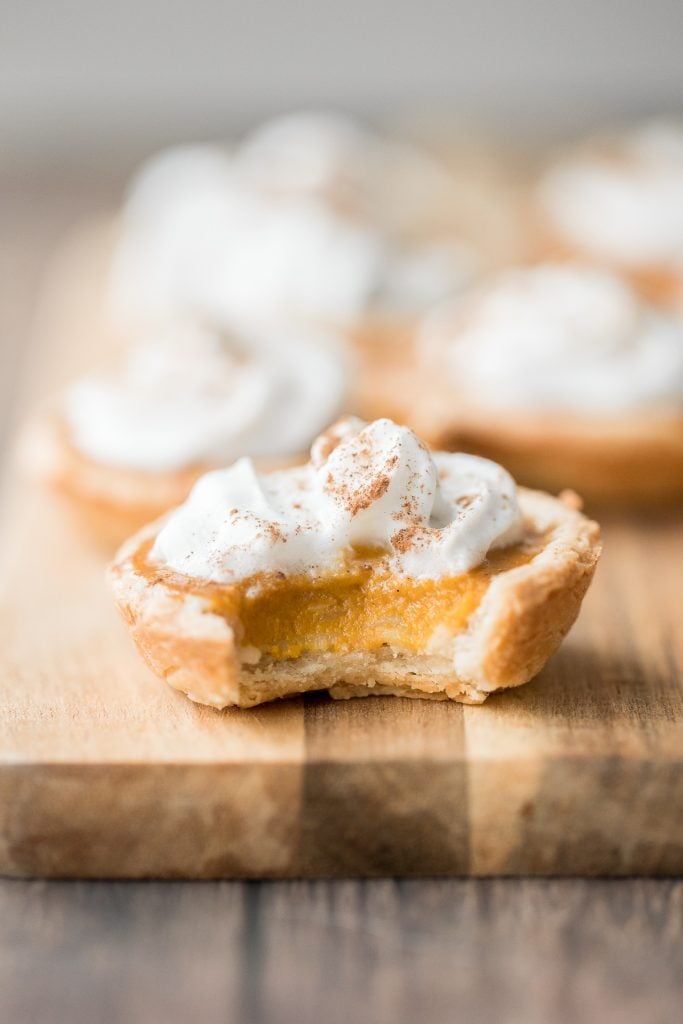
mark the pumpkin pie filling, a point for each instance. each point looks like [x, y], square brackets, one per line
[361, 607]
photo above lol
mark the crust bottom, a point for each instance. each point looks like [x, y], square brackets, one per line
[386, 671]
[521, 620]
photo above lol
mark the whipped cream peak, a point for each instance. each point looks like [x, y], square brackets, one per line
[188, 395]
[325, 443]
[556, 337]
[622, 199]
[381, 471]
[368, 488]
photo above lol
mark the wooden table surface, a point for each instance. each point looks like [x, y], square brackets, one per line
[411, 951]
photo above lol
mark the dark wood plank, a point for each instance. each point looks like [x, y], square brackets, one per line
[384, 788]
[523, 952]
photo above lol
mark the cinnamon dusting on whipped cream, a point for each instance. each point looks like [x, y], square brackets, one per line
[367, 487]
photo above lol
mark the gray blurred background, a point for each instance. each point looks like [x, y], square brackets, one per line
[88, 88]
[91, 75]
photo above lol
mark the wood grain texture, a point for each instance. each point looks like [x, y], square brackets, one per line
[106, 772]
[478, 951]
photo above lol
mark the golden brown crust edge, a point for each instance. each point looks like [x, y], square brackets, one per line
[521, 621]
[527, 612]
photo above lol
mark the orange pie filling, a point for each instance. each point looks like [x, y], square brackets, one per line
[659, 286]
[358, 609]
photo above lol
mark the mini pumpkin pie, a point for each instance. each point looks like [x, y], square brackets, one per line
[128, 443]
[618, 200]
[376, 568]
[564, 374]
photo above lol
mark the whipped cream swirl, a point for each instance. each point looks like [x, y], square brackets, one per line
[373, 486]
[190, 396]
[623, 202]
[558, 337]
[300, 221]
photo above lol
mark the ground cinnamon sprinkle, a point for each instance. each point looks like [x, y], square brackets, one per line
[327, 442]
[359, 493]
[275, 533]
[364, 497]
[408, 538]
[367, 484]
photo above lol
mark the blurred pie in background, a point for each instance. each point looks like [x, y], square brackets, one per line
[127, 443]
[310, 218]
[618, 200]
[561, 372]
[318, 267]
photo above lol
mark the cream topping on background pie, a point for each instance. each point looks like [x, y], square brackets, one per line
[189, 395]
[557, 338]
[622, 198]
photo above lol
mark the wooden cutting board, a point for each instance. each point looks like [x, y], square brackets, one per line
[104, 771]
